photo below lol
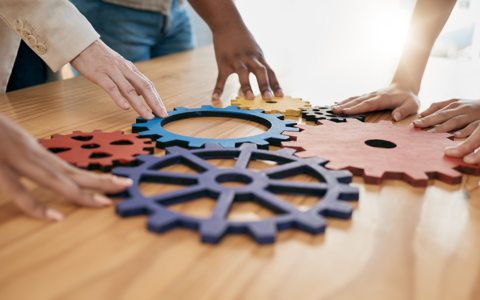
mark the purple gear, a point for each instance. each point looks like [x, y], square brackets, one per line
[260, 187]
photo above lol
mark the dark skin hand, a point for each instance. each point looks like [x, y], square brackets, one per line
[22, 156]
[236, 50]
[428, 19]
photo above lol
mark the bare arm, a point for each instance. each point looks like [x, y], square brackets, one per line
[428, 19]
[236, 49]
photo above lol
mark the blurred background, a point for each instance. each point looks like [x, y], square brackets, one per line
[346, 47]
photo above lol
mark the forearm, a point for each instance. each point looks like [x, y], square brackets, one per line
[428, 19]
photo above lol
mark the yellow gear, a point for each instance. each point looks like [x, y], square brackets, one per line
[286, 105]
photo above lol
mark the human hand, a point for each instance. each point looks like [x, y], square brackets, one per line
[466, 149]
[120, 79]
[22, 156]
[402, 100]
[451, 115]
[238, 52]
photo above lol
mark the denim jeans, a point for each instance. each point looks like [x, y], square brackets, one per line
[138, 34]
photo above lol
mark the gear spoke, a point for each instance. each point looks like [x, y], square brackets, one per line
[298, 188]
[169, 177]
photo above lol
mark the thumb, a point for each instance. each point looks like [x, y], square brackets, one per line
[407, 108]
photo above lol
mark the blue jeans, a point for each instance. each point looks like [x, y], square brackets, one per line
[138, 34]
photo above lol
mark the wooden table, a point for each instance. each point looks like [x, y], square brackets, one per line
[401, 242]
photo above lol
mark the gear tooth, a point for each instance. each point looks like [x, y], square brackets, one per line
[382, 122]
[281, 137]
[343, 176]
[196, 144]
[338, 210]
[131, 208]
[213, 146]
[293, 145]
[258, 111]
[348, 193]
[286, 151]
[292, 134]
[162, 221]
[318, 161]
[213, 230]
[279, 116]
[310, 222]
[208, 107]
[140, 120]
[163, 139]
[262, 231]
[55, 136]
[231, 108]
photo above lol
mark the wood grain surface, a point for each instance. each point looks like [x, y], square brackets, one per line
[401, 242]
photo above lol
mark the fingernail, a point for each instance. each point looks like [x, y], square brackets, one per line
[122, 181]
[469, 158]
[335, 107]
[249, 95]
[418, 122]
[345, 109]
[53, 215]
[267, 95]
[164, 113]
[216, 96]
[126, 105]
[433, 130]
[458, 133]
[150, 115]
[397, 116]
[280, 93]
[100, 199]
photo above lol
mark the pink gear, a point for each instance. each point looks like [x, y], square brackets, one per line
[97, 149]
[382, 150]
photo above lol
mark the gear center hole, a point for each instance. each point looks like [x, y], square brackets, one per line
[213, 127]
[270, 101]
[380, 144]
[233, 180]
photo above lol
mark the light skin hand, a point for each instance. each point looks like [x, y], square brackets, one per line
[451, 115]
[22, 156]
[402, 100]
[120, 79]
[466, 149]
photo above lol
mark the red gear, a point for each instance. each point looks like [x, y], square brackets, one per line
[97, 149]
[414, 155]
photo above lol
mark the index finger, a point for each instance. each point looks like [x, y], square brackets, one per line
[146, 88]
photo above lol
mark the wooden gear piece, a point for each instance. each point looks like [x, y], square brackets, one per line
[286, 105]
[325, 113]
[273, 136]
[98, 150]
[382, 150]
[260, 187]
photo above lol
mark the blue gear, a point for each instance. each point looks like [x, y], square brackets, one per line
[260, 187]
[154, 128]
